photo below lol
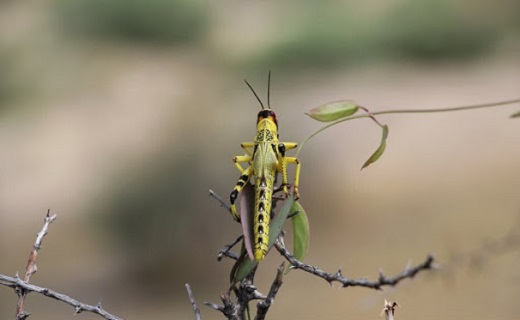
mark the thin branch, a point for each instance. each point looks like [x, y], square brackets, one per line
[338, 277]
[402, 111]
[31, 267]
[389, 310]
[485, 252]
[226, 252]
[221, 201]
[462, 108]
[16, 282]
[193, 302]
[263, 306]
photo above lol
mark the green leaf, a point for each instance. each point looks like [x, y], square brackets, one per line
[373, 158]
[333, 111]
[301, 231]
[245, 266]
[240, 260]
[515, 115]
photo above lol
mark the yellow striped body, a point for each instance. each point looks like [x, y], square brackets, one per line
[265, 158]
[265, 164]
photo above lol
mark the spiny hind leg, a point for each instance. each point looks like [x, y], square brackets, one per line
[244, 178]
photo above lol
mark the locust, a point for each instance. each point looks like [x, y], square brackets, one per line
[264, 158]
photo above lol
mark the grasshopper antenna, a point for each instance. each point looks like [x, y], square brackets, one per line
[253, 90]
[269, 90]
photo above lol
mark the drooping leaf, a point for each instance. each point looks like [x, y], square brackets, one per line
[247, 209]
[373, 158]
[301, 231]
[245, 266]
[515, 115]
[333, 111]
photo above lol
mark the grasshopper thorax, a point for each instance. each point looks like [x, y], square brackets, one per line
[267, 114]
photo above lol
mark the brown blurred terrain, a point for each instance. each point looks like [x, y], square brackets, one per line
[119, 116]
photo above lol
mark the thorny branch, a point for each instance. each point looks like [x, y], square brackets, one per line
[31, 267]
[338, 276]
[478, 256]
[226, 252]
[17, 283]
[193, 302]
[246, 291]
[263, 306]
[22, 286]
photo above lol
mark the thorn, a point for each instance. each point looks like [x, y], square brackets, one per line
[408, 265]
[381, 275]
[78, 310]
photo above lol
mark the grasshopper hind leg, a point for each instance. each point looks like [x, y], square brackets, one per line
[242, 180]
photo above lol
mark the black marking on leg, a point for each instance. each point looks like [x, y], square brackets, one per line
[260, 240]
[261, 207]
[262, 194]
[261, 218]
[281, 149]
[233, 196]
[260, 229]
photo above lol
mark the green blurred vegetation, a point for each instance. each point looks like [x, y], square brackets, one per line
[154, 22]
[435, 30]
[9, 82]
[333, 34]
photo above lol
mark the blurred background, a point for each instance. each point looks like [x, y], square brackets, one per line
[120, 115]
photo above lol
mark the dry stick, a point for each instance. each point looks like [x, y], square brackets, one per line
[338, 277]
[221, 201]
[193, 302]
[226, 252]
[18, 283]
[263, 306]
[389, 310]
[22, 287]
[31, 265]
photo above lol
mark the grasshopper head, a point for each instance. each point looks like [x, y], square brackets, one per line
[267, 114]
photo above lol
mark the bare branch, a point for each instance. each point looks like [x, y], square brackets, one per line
[263, 306]
[221, 201]
[389, 310]
[226, 252]
[16, 282]
[488, 250]
[338, 277]
[193, 302]
[31, 267]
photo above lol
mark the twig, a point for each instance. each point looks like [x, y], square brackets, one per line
[476, 257]
[226, 252]
[221, 201]
[23, 287]
[193, 302]
[338, 277]
[263, 306]
[18, 283]
[389, 310]
[31, 267]
[245, 292]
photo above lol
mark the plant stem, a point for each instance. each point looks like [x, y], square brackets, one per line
[372, 114]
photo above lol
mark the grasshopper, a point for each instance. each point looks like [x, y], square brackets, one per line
[264, 158]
